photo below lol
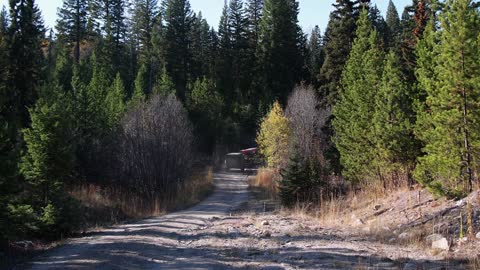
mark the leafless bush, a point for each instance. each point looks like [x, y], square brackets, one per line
[156, 146]
[307, 119]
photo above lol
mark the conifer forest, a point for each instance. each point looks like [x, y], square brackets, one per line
[136, 97]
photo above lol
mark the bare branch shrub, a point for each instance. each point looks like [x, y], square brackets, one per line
[307, 118]
[156, 146]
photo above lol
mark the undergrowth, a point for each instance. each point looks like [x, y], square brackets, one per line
[110, 205]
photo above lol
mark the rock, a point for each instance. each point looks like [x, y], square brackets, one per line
[25, 244]
[433, 237]
[265, 223]
[266, 234]
[441, 244]
[478, 235]
[404, 235]
[377, 207]
[410, 266]
[461, 203]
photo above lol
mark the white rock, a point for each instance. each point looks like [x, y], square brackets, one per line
[265, 223]
[462, 202]
[403, 235]
[441, 244]
[478, 235]
[433, 237]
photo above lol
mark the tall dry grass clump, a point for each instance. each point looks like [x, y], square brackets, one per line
[266, 182]
[113, 204]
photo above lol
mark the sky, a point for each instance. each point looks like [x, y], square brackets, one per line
[312, 12]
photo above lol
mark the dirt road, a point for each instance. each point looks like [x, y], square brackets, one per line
[209, 236]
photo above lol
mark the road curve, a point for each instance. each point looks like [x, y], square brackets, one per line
[156, 243]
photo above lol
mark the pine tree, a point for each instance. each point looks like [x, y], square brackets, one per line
[356, 106]
[144, 16]
[164, 85]
[224, 61]
[452, 116]
[394, 27]
[49, 161]
[280, 54]
[315, 55]
[3, 22]
[396, 149]
[72, 24]
[139, 86]
[254, 17]
[379, 24]
[24, 59]
[337, 45]
[178, 19]
[63, 70]
[295, 181]
[238, 28]
[206, 106]
[115, 102]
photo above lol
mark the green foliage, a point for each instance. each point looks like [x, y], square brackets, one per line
[393, 120]
[339, 37]
[164, 85]
[448, 124]
[356, 107]
[23, 221]
[315, 55]
[178, 18]
[206, 106]
[394, 27]
[49, 158]
[280, 52]
[115, 102]
[139, 86]
[274, 136]
[300, 181]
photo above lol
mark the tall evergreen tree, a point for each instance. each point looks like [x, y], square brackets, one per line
[394, 27]
[315, 55]
[72, 24]
[254, 17]
[356, 107]
[224, 58]
[396, 148]
[24, 59]
[178, 19]
[450, 122]
[338, 40]
[238, 28]
[280, 53]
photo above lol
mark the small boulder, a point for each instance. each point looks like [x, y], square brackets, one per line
[441, 244]
[410, 266]
[433, 237]
[377, 207]
[404, 235]
[478, 235]
[265, 223]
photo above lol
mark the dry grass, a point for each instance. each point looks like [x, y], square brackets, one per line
[104, 206]
[266, 182]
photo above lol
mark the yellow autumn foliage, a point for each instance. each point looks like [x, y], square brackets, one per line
[273, 137]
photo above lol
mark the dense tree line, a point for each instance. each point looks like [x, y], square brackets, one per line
[403, 92]
[119, 92]
[123, 91]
